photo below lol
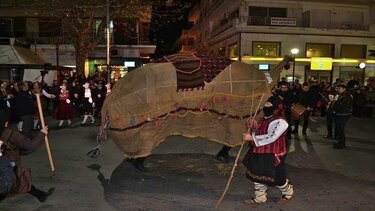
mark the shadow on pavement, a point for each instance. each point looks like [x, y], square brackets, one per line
[195, 182]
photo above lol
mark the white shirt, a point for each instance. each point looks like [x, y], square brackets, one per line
[275, 129]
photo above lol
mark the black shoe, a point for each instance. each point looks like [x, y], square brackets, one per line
[338, 146]
[223, 158]
[44, 197]
[41, 195]
[138, 163]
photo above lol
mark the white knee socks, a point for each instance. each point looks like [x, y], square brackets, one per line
[260, 195]
[286, 190]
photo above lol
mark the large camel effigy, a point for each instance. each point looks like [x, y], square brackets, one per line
[185, 94]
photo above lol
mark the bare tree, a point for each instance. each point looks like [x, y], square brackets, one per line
[85, 23]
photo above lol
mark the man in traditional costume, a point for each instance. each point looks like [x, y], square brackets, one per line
[265, 159]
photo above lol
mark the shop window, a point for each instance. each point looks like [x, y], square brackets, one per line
[347, 73]
[319, 50]
[16, 74]
[353, 51]
[233, 51]
[266, 49]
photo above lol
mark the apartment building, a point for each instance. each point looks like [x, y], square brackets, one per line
[331, 37]
[23, 24]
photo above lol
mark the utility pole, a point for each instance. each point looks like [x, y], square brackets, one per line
[108, 43]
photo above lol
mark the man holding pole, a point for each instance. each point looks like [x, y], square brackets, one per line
[17, 144]
[266, 156]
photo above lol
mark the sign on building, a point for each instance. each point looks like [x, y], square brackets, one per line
[321, 63]
[280, 21]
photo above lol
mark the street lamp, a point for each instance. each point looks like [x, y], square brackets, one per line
[362, 65]
[294, 51]
[107, 44]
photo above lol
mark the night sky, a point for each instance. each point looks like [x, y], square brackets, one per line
[167, 22]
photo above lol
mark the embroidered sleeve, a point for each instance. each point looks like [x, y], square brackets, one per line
[274, 131]
[46, 94]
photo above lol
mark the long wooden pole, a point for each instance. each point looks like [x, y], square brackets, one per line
[46, 137]
[238, 156]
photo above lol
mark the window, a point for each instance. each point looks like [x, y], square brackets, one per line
[319, 50]
[5, 27]
[277, 12]
[19, 26]
[16, 74]
[267, 49]
[353, 51]
[49, 27]
[267, 12]
[258, 11]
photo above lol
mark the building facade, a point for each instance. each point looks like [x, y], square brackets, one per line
[45, 34]
[261, 32]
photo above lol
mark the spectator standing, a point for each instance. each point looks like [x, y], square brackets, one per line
[342, 108]
[25, 109]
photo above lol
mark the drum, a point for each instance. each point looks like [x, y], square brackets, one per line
[297, 111]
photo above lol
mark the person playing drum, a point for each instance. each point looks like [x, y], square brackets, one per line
[306, 100]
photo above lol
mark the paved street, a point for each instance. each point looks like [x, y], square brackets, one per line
[183, 174]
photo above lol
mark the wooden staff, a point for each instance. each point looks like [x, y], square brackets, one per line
[46, 137]
[238, 155]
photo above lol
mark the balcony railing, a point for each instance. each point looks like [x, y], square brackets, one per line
[294, 22]
[338, 25]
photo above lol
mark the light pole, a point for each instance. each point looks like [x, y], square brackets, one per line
[362, 65]
[107, 45]
[294, 51]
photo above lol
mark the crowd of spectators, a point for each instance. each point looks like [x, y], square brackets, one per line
[318, 95]
[19, 98]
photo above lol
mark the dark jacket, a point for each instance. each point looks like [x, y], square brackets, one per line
[19, 144]
[306, 99]
[7, 176]
[25, 104]
[344, 104]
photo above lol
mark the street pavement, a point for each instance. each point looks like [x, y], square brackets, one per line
[183, 174]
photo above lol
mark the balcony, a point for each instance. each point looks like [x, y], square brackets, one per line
[338, 25]
[294, 22]
[270, 21]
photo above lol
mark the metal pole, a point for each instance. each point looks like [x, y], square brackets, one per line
[363, 76]
[294, 66]
[108, 42]
[57, 54]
